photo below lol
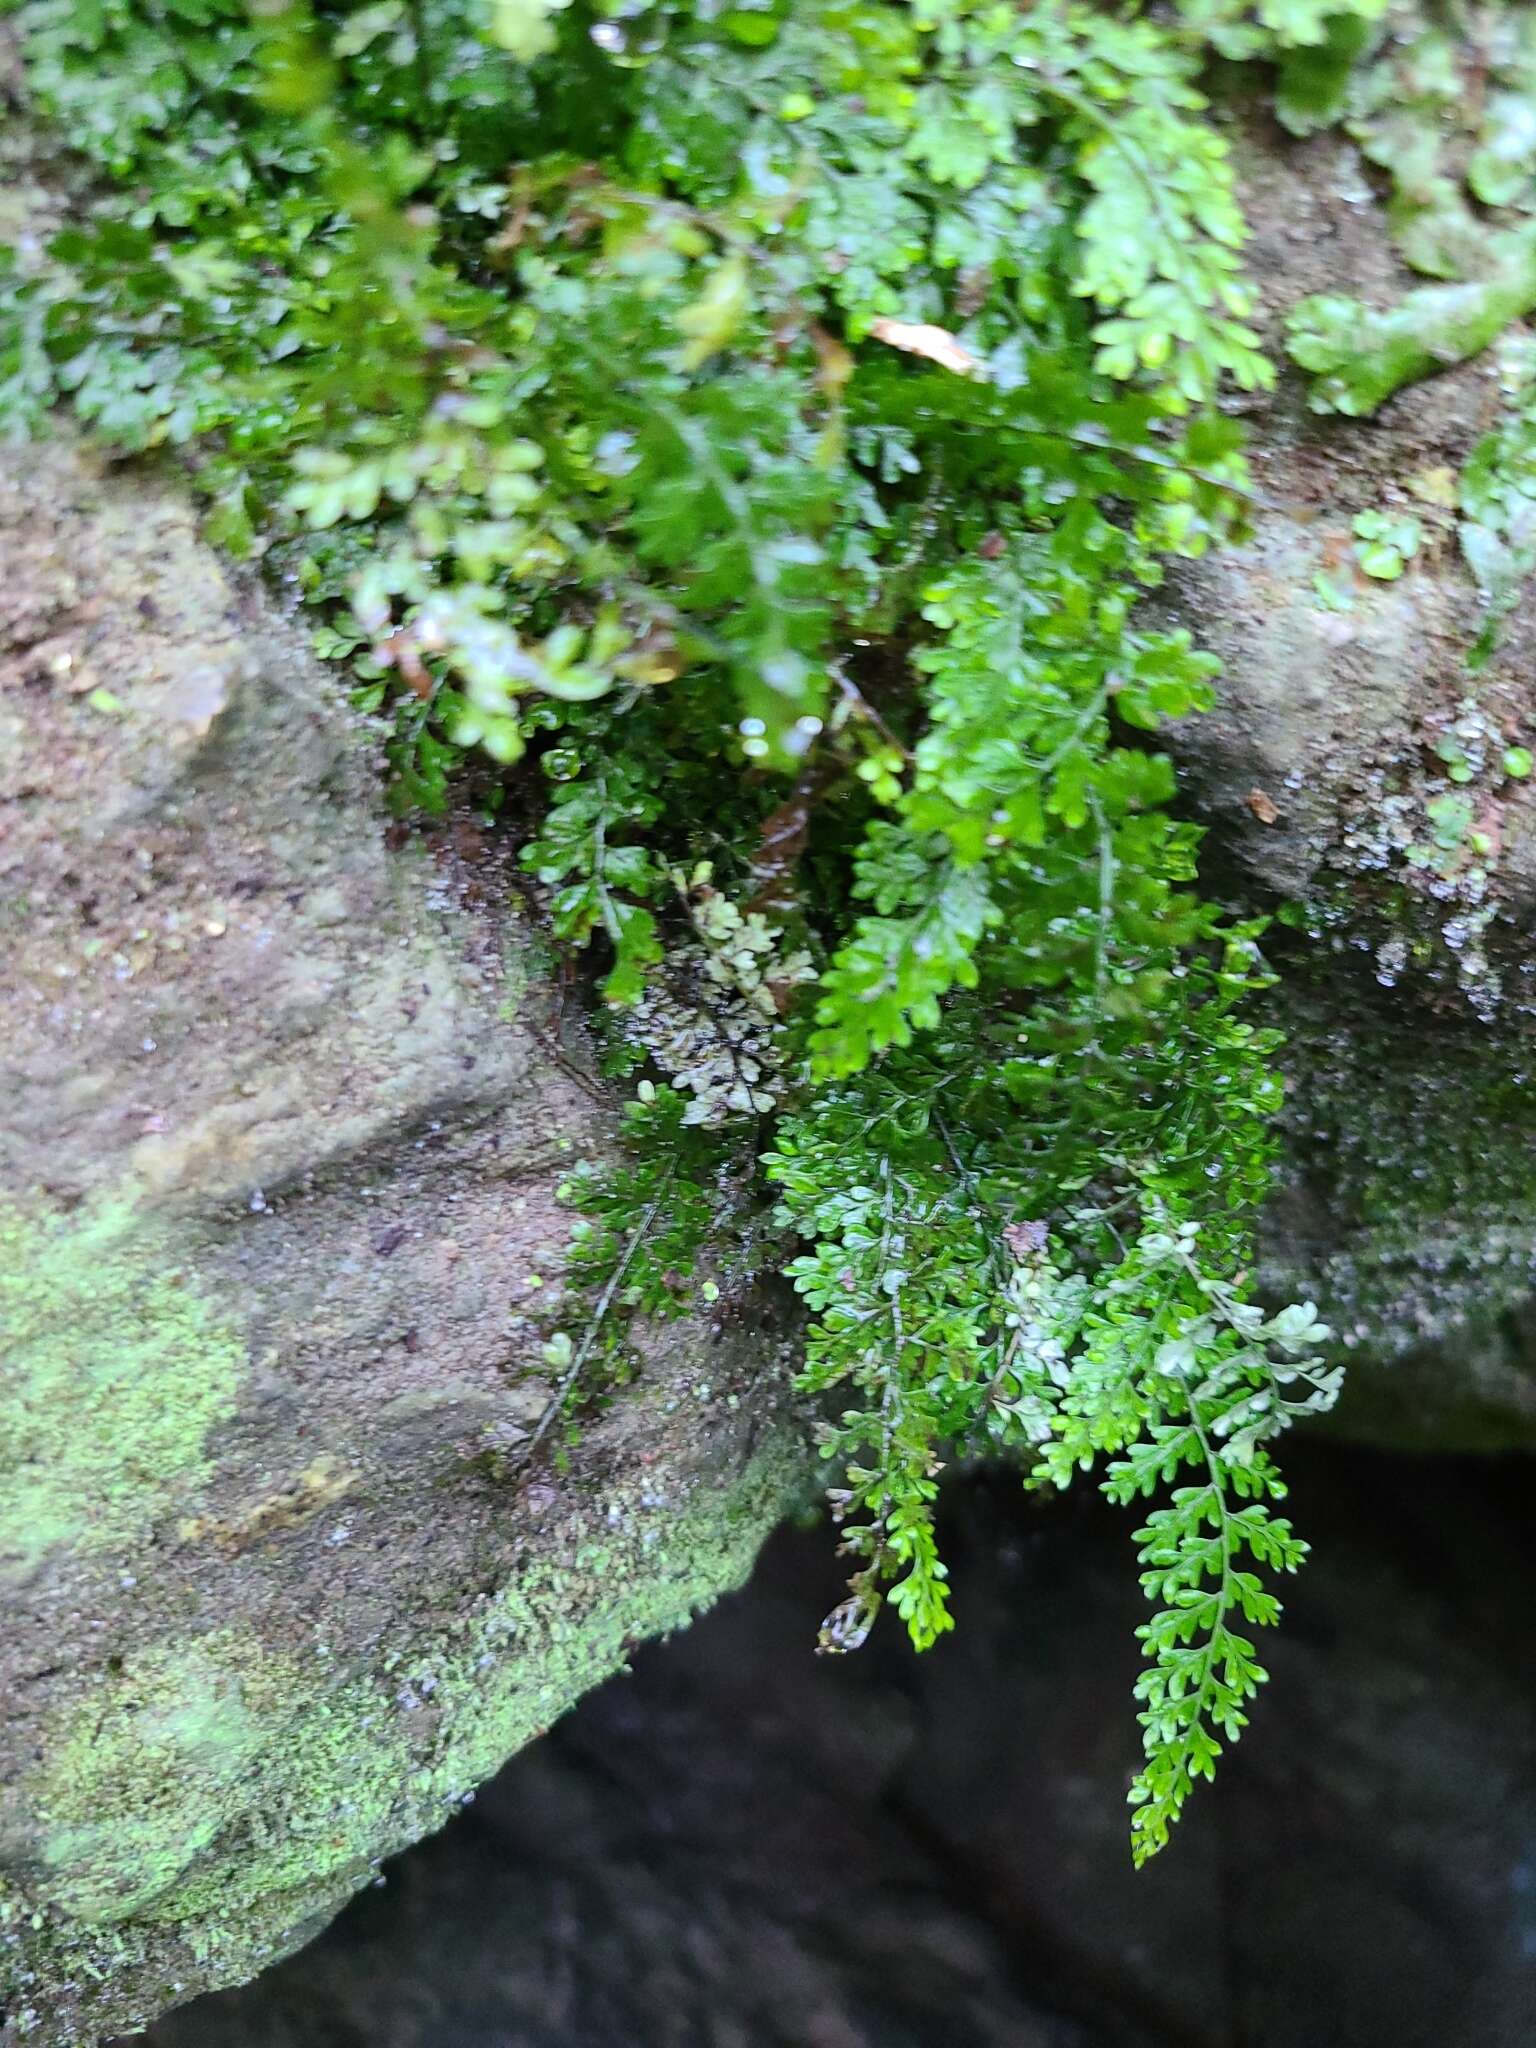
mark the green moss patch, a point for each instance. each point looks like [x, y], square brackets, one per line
[114, 1368]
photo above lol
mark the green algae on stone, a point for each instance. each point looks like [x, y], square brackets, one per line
[209, 1773]
[114, 1366]
[208, 1804]
[137, 1782]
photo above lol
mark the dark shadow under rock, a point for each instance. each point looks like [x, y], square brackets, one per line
[743, 1846]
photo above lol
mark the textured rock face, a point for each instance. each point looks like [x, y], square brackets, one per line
[278, 1239]
[1407, 1206]
[1337, 685]
[1408, 983]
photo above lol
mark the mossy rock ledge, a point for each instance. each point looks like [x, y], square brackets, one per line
[279, 1247]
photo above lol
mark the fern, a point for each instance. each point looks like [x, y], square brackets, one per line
[597, 875]
[1161, 234]
[1197, 1385]
[888, 977]
[1264, 28]
[758, 484]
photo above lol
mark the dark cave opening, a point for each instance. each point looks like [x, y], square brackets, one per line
[742, 1845]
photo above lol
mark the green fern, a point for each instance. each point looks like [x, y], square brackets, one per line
[758, 486]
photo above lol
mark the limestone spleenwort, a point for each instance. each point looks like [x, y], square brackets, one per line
[747, 430]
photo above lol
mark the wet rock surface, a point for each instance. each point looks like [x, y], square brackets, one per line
[745, 1846]
[1407, 1197]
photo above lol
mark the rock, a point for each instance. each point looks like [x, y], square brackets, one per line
[1407, 962]
[280, 1246]
[1335, 683]
[1406, 1205]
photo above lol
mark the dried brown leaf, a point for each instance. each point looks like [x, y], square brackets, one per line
[933, 344]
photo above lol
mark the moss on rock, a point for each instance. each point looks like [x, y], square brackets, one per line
[203, 1807]
[1408, 1208]
[115, 1367]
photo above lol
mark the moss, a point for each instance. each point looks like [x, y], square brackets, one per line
[115, 1367]
[208, 1804]
[136, 1794]
[1410, 1213]
[1360, 356]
